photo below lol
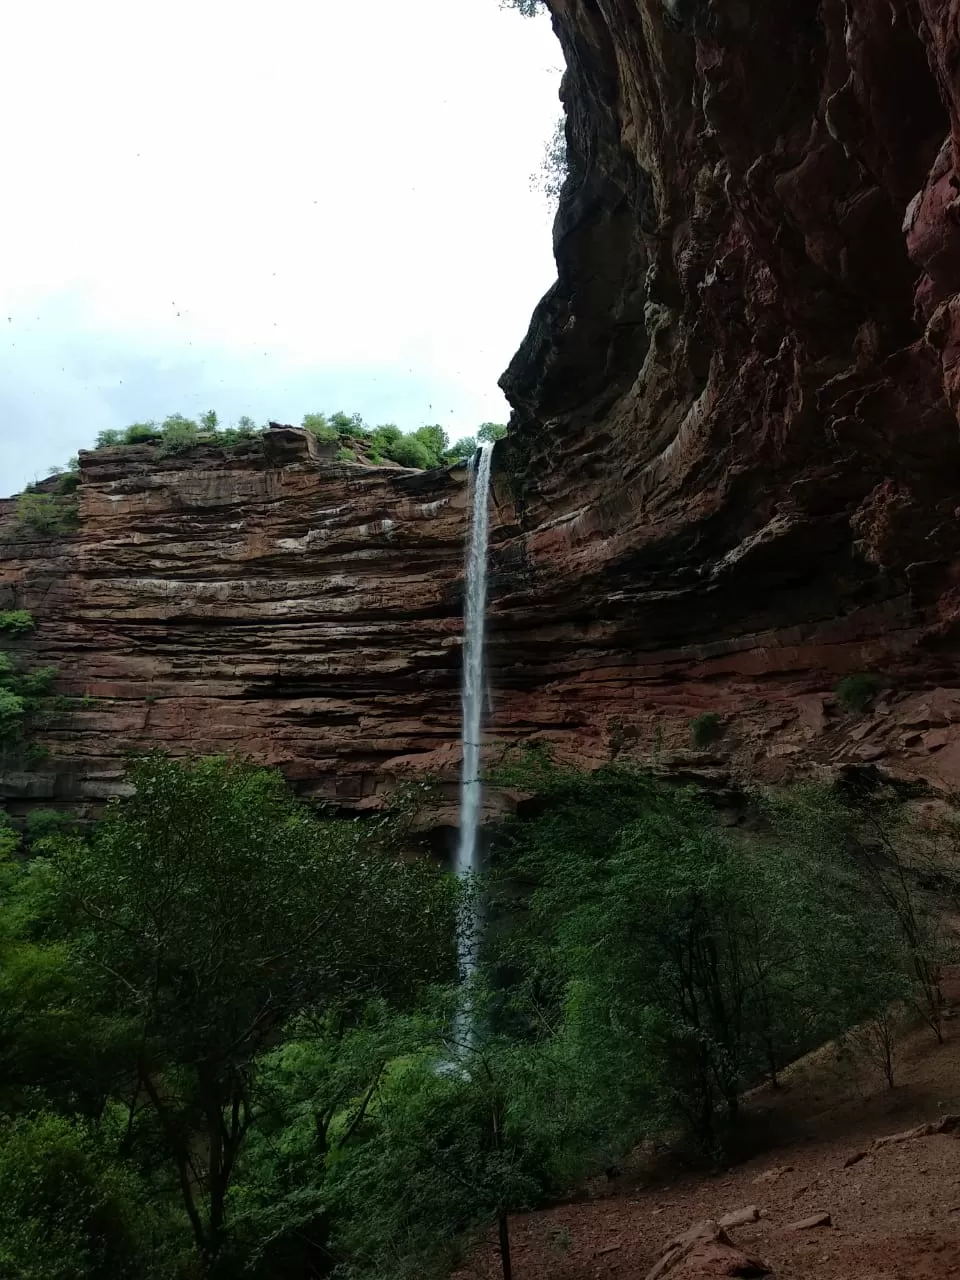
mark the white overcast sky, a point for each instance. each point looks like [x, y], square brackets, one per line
[265, 208]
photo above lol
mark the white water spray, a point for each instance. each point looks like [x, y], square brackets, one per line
[474, 623]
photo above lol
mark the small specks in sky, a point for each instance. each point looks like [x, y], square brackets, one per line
[388, 292]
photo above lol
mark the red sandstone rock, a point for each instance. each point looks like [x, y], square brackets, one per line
[813, 1220]
[740, 1217]
[705, 1250]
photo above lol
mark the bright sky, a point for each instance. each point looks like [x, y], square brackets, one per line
[268, 209]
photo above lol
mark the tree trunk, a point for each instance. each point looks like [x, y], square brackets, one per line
[503, 1226]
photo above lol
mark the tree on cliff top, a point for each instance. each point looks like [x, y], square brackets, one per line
[527, 7]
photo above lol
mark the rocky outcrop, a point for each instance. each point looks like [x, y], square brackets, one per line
[732, 476]
[265, 598]
[736, 411]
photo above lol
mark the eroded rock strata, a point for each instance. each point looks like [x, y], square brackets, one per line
[269, 600]
[736, 412]
[733, 473]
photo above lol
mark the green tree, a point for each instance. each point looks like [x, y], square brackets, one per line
[318, 424]
[461, 450]
[452, 1146]
[487, 432]
[67, 1211]
[529, 8]
[214, 909]
[47, 514]
[408, 451]
[179, 433]
[141, 433]
[385, 435]
[681, 961]
[321, 1091]
[435, 441]
[16, 621]
[26, 702]
[348, 424]
[555, 165]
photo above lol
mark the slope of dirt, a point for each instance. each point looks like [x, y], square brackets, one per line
[895, 1212]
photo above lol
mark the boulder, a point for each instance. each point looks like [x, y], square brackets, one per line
[705, 1250]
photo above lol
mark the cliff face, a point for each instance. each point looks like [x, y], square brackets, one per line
[733, 473]
[272, 600]
[736, 412]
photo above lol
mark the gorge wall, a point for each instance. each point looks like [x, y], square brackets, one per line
[732, 474]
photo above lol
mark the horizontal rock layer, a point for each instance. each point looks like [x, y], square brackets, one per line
[731, 477]
[299, 609]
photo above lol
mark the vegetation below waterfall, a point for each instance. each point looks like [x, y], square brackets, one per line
[225, 1019]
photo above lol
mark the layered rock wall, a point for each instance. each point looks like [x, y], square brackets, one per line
[736, 411]
[262, 599]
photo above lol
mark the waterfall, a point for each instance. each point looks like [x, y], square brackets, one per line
[473, 695]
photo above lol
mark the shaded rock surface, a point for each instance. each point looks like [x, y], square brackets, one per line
[736, 411]
[733, 473]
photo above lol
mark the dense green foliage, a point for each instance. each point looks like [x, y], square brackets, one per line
[226, 1046]
[16, 621]
[685, 960]
[178, 433]
[527, 7]
[706, 728]
[46, 514]
[555, 165]
[856, 692]
[27, 701]
[426, 447]
[160, 976]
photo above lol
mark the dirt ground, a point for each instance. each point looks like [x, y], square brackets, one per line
[895, 1212]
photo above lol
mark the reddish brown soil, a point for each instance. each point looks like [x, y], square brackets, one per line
[896, 1212]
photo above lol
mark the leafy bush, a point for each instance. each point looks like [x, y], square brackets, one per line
[178, 864]
[856, 692]
[461, 450]
[706, 728]
[427, 446]
[23, 698]
[410, 452]
[42, 823]
[490, 431]
[142, 433]
[178, 434]
[67, 1210]
[48, 514]
[318, 424]
[555, 165]
[385, 437]
[681, 961]
[349, 424]
[16, 621]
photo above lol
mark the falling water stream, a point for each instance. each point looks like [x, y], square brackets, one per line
[474, 620]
